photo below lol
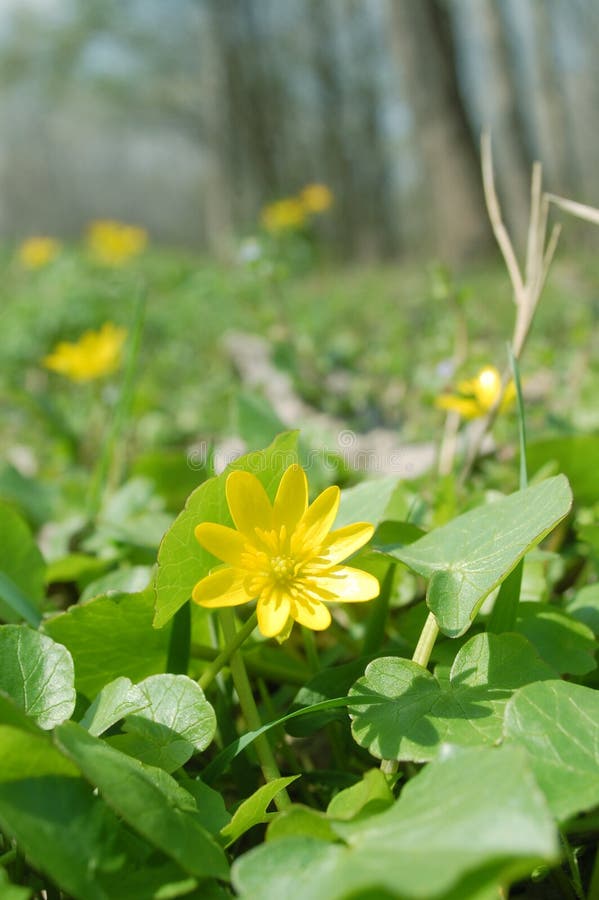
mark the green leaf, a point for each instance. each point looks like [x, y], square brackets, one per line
[370, 795]
[445, 831]
[64, 830]
[584, 607]
[300, 820]
[173, 722]
[566, 644]
[558, 725]
[113, 703]
[38, 674]
[181, 560]
[69, 834]
[148, 799]
[128, 580]
[253, 810]
[21, 570]
[417, 713]
[110, 637]
[366, 502]
[467, 558]
[212, 812]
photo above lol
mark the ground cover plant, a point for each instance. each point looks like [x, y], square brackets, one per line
[287, 676]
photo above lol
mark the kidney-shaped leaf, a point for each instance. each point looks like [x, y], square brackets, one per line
[417, 713]
[181, 560]
[38, 674]
[558, 725]
[467, 558]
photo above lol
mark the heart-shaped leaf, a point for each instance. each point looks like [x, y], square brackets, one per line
[467, 558]
[418, 713]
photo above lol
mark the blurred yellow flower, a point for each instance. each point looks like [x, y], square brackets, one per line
[36, 252]
[283, 215]
[283, 555]
[476, 396]
[316, 198]
[114, 243]
[95, 354]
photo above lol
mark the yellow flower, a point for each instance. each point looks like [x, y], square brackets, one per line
[36, 252]
[284, 215]
[283, 555]
[95, 354]
[113, 243]
[316, 198]
[476, 396]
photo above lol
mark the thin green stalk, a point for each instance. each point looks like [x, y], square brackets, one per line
[573, 867]
[223, 658]
[105, 463]
[311, 651]
[266, 758]
[426, 642]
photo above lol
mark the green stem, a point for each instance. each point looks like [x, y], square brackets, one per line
[266, 758]
[268, 670]
[593, 892]
[426, 642]
[223, 658]
[311, 651]
[422, 654]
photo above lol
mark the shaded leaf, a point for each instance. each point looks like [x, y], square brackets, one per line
[21, 570]
[566, 644]
[417, 712]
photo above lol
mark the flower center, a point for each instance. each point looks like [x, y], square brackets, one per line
[282, 568]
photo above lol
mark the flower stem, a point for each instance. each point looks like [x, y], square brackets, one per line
[422, 654]
[311, 651]
[264, 752]
[223, 658]
[426, 642]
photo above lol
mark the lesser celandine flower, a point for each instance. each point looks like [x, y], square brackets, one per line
[283, 554]
[316, 198]
[36, 252]
[95, 354]
[476, 396]
[284, 215]
[114, 243]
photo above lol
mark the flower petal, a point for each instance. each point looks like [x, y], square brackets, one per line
[311, 613]
[224, 543]
[273, 614]
[221, 588]
[317, 521]
[342, 543]
[248, 503]
[468, 409]
[349, 585]
[291, 500]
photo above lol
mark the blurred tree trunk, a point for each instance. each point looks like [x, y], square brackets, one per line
[451, 188]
